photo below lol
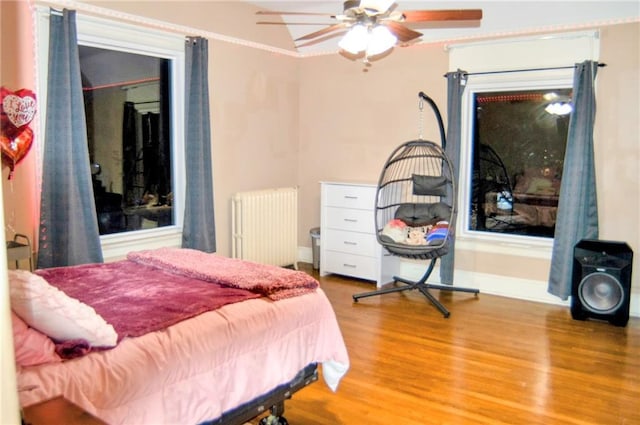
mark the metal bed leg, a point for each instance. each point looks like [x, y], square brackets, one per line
[275, 418]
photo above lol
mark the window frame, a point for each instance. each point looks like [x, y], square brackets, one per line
[543, 80]
[116, 35]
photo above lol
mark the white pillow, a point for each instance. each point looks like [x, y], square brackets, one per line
[54, 313]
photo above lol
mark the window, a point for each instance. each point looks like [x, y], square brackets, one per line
[128, 121]
[512, 148]
[145, 169]
[513, 151]
[517, 155]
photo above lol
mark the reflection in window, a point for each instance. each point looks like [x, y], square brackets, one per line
[518, 152]
[127, 107]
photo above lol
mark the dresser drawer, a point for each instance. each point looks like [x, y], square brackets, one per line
[349, 246]
[350, 242]
[350, 219]
[344, 196]
[350, 265]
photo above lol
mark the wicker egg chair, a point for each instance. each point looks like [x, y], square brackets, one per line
[415, 211]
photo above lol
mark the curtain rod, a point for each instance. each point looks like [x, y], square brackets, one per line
[550, 68]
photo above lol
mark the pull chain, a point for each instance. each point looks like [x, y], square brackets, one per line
[420, 118]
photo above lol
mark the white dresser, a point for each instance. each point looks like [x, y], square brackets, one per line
[348, 243]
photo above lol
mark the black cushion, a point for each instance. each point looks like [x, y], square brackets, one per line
[429, 185]
[423, 214]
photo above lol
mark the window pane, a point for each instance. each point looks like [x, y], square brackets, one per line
[518, 152]
[127, 107]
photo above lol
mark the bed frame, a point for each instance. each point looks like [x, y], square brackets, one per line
[273, 400]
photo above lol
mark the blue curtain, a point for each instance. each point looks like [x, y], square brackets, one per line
[199, 224]
[578, 208]
[456, 83]
[68, 224]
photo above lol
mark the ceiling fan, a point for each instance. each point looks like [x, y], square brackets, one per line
[374, 26]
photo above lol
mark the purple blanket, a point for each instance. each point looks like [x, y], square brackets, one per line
[137, 299]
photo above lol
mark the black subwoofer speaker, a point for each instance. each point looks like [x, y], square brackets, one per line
[601, 283]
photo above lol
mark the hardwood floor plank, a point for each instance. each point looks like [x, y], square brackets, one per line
[493, 361]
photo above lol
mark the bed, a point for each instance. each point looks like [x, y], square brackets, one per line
[218, 362]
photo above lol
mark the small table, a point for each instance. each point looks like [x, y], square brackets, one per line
[56, 411]
[20, 249]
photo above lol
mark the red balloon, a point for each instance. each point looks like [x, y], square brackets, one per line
[14, 145]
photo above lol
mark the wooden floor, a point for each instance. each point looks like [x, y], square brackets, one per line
[494, 360]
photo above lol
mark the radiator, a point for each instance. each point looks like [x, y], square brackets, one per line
[265, 226]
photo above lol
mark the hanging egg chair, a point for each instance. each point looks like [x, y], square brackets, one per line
[415, 211]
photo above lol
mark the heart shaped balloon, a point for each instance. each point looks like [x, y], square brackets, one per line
[14, 146]
[18, 107]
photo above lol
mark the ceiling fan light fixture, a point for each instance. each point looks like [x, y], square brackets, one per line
[380, 40]
[356, 40]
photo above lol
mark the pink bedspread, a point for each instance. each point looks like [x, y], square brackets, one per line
[273, 282]
[136, 299]
[198, 368]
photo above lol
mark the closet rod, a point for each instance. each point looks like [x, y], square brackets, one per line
[600, 65]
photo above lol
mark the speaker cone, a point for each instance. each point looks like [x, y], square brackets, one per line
[601, 293]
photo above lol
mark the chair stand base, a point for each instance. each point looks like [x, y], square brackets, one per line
[422, 286]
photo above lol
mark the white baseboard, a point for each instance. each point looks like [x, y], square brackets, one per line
[305, 254]
[504, 286]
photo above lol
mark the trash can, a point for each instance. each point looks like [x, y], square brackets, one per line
[315, 246]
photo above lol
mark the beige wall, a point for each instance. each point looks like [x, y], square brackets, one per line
[17, 70]
[283, 121]
[353, 116]
[617, 137]
[254, 122]
[278, 120]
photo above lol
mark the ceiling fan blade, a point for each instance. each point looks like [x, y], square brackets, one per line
[321, 32]
[403, 33]
[442, 15]
[290, 23]
[273, 12]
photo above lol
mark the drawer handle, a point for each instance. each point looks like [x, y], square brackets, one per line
[351, 220]
[350, 243]
[350, 197]
[353, 266]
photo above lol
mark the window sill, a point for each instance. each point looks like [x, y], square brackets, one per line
[116, 246]
[517, 246]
